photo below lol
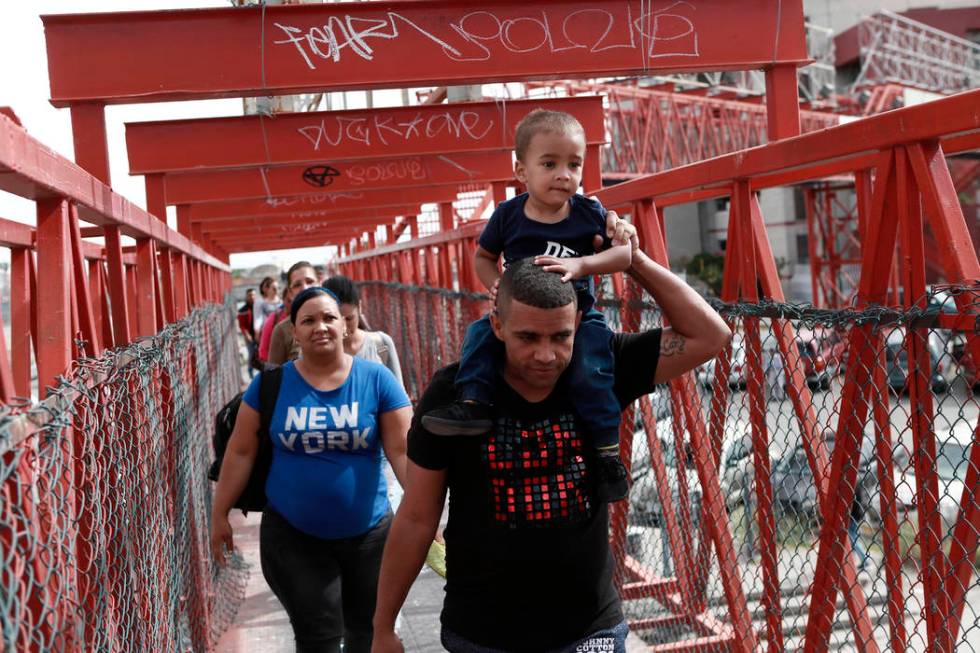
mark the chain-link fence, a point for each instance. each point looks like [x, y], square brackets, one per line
[771, 407]
[105, 512]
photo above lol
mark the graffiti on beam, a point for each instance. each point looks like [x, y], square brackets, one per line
[667, 31]
[304, 228]
[320, 176]
[460, 124]
[401, 169]
[319, 198]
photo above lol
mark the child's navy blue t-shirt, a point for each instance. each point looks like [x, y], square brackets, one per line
[511, 233]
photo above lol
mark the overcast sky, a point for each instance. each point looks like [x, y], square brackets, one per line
[24, 87]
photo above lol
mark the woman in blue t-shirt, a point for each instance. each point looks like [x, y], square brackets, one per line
[327, 517]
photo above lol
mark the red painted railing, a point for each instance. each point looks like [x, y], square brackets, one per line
[64, 289]
[105, 499]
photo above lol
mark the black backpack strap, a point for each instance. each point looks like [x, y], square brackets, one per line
[269, 383]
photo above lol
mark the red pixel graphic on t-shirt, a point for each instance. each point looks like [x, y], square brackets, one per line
[537, 473]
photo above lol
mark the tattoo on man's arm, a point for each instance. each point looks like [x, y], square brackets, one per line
[672, 346]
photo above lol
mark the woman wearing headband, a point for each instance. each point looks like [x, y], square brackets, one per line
[327, 517]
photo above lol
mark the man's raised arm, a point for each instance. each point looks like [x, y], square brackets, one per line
[696, 332]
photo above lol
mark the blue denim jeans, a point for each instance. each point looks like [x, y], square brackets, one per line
[610, 640]
[588, 379]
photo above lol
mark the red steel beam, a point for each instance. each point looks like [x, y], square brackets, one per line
[653, 129]
[293, 242]
[954, 115]
[324, 203]
[291, 138]
[19, 235]
[53, 354]
[314, 239]
[30, 169]
[468, 229]
[153, 56]
[23, 318]
[308, 217]
[291, 231]
[252, 247]
[300, 223]
[942, 208]
[91, 144]
[16, 234]
[411, 172]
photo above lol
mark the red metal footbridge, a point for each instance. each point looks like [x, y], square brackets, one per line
[740, 532]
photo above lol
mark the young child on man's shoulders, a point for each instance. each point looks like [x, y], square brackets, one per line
[557, 226]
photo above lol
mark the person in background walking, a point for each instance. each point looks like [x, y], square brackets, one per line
[245, 326]
[858, 509]
[266, 304]
[321, 273]
[281, 345]
[361, 341]
[775, 379]
[374, 346]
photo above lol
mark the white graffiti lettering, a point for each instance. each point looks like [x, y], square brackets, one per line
[668, 31]
[366, 173]
[320, 198]
[377, 130]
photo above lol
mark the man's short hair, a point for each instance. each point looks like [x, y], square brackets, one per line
[531, 285]
[542, 121]
[297, 266]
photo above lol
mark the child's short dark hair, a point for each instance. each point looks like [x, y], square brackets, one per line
[541, 121]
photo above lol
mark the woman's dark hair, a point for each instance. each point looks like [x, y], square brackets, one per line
[299, 265]
[305, 296]
[265, 284]
[343, 289]
[346, 292]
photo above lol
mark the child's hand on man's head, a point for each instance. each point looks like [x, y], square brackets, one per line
[569, 268]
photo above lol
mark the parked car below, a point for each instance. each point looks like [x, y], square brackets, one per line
[645, 505]
[897, 362]
[736, 375]
[822, 352]
[737, 470]
[794, 487]
[952, 464]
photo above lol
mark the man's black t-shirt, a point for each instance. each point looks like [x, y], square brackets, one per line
[528, 560]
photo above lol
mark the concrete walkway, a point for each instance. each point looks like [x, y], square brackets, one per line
[262, 625]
